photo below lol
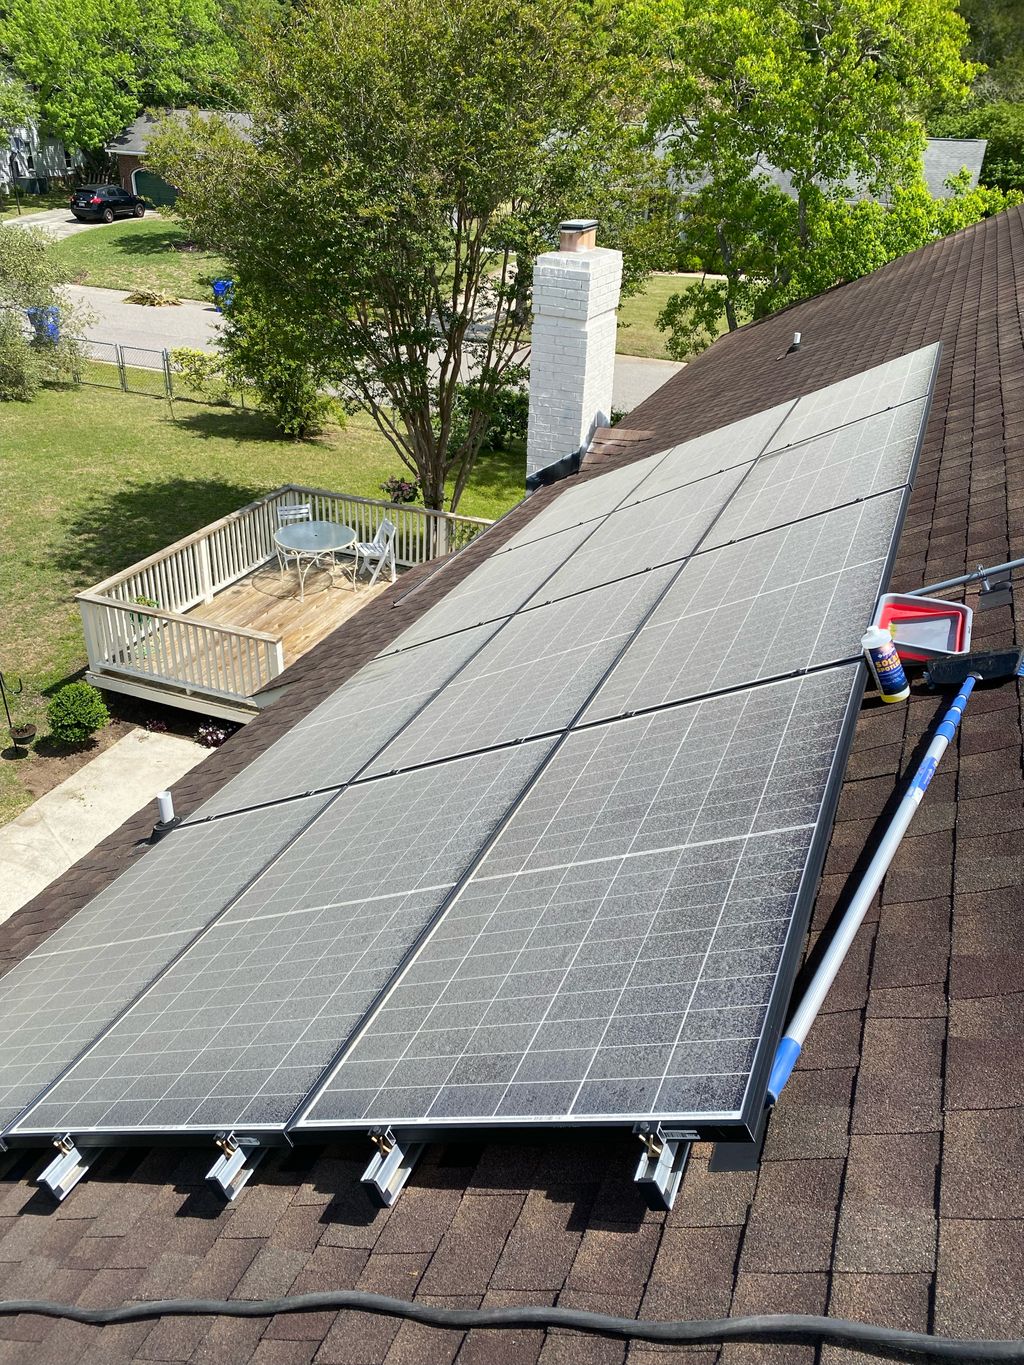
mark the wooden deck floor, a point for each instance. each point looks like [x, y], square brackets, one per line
[267, 601]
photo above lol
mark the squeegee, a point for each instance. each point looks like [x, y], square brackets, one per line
[964, 672]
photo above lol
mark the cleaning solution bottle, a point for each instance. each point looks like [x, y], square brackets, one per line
[885, 665]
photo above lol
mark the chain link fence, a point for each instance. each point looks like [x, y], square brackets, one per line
[139, 369]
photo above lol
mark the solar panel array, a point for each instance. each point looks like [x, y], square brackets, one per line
[547, 858]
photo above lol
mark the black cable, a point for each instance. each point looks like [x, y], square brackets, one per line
[788, 1328]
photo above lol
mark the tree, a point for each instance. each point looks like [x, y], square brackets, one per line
[95, 64]
[17, 105]
[408, 160]
[775, 112]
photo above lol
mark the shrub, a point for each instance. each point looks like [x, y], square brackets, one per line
[212, 733]
[76, 712]
[19, 364]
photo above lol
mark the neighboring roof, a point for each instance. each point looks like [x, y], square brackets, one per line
[134, 140]
[948, 156]
[890, 1187]
[942, 158]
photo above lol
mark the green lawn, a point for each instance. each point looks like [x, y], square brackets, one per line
[138, 253]
[638, 334]
[33, 203]
[97, 479]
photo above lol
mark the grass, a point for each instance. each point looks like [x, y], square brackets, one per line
[33, 203]
[638, 331]
[135, 253]
[98, 479]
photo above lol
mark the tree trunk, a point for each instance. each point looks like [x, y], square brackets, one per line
[726, 254]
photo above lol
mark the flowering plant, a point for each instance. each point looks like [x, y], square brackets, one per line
[398, 489]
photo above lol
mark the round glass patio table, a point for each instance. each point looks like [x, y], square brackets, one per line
[310, 542]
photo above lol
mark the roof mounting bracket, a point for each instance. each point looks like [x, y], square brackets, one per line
[67, 1167]
[238, 1159]
[660, 1170]
[391, 1167]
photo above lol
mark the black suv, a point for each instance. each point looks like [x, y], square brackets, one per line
[104, 203]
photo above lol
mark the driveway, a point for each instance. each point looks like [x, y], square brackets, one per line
[57, 222]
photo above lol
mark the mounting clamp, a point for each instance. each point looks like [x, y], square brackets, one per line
[391, 1167]
[238, 1159]
[67, 1167]
[660, 1170]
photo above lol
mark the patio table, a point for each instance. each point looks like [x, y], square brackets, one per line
[310, 542]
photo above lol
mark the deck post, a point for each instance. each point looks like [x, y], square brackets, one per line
[205, 574]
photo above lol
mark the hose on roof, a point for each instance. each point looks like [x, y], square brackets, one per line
[782, 1328]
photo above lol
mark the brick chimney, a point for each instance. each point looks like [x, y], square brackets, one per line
[572, 352]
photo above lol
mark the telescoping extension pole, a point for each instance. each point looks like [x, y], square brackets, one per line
[963, 672]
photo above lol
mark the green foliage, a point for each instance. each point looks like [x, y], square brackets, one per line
[408, 161]
[831, 93]
[76, 712]
[849, 240]
[17, 105]
[95, 64]
[201, 373]
[997, 40]
[1002, 123]
[29, 278]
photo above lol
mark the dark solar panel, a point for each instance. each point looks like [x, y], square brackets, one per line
[241, 1026]
[54, 1002]
[617, 951]
[790, 599]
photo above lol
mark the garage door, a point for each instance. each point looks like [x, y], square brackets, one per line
[155, 189]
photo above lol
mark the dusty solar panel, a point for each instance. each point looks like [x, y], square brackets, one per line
[532, 677]
[645, 534]
[241, 1026]
[586, 501]
[736, 444]
[55, 1001]
[870, 456]
[883, 386]
[790, 599]
[331, 744]
[617, 951]
[499, 587]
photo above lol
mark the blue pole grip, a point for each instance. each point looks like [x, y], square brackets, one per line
[786, 1055]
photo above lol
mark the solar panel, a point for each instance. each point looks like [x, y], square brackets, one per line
[725, 448]
[867, 457]
[532, 677]
[330, 745]
[499, 587]
[686, 463]
[883, 386]
[617, 952]
[656, 531]
[599, 925]
[241, 1026]
[790, 599]
[55, 1001]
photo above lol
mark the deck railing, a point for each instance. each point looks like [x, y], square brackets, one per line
[135, 624]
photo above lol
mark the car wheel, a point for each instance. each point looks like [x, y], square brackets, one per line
[139, 210]
[107, 215]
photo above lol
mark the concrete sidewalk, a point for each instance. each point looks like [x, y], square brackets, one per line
[65, 823]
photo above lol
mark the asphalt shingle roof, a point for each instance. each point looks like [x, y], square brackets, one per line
[891, 1185]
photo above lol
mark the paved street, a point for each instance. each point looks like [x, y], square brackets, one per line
[195, 324]
[131, 324]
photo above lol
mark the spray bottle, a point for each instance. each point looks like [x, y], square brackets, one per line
[885, 664]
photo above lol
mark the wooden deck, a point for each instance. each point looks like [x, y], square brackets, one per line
[265, 600]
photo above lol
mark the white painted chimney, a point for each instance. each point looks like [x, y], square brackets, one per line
[572, 351]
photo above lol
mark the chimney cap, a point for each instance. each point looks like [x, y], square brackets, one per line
[577, 234]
